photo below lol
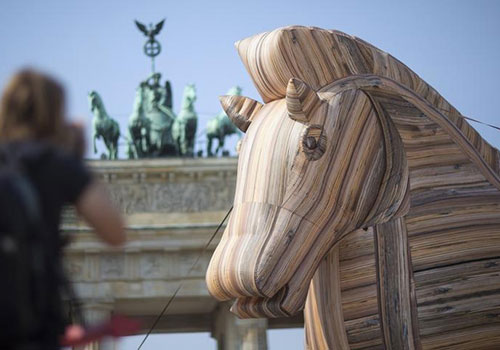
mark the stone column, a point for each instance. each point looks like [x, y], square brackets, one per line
[233, 333]
[96, 312]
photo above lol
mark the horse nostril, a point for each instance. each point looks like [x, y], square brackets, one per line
[311, 142]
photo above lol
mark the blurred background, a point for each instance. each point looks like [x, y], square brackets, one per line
[95, 45]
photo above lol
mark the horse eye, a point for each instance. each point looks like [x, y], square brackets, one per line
[313, 143]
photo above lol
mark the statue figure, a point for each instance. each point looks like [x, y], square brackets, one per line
[162, 119]
[150, 124]
[220, 126]
[185, 125]
[139, 126]
[165, 93]
[104, 126]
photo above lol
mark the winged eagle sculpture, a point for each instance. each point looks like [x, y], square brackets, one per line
[150, 32]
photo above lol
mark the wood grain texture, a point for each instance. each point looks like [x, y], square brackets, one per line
[364, 190]
[240, 109]
[320, 57]
[358, 284]
[323, 314]
[396, 292]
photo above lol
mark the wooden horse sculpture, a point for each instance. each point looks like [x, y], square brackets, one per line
[104, 126]
[362, 196]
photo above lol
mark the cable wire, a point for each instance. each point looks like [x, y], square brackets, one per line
[182, 281]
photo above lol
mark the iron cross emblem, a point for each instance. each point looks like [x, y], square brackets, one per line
[152, 47]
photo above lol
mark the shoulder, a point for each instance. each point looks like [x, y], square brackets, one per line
[55, 168]
[45, 155]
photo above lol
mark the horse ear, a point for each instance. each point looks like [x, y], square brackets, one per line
[301, 101]
[240, 110]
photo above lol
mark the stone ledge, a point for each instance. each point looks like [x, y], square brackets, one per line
[164, 227]
[168, 238]
[164, 170]
[168, 163]
[194, 287]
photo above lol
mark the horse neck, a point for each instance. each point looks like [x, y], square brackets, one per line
[187, 105]
[100, 111]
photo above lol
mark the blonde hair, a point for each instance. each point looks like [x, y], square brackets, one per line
[32, 107]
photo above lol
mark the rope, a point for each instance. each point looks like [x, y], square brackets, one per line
[471, 119]
[480, 122]
[182, 281]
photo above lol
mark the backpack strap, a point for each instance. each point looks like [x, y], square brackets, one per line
[11, 160]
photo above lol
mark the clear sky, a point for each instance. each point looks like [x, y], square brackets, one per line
[453, 45]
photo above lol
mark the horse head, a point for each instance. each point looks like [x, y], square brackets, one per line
[316, 163]
[189, 96]
[95, 102]
[306, 165]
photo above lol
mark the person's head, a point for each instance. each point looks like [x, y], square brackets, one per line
[32, 107]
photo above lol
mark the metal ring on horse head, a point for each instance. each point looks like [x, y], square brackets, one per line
[152, 48]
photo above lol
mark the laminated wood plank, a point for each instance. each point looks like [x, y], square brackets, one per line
[357, 260]
[365, 333]
[458, 296]
[474, 338]
[324, 319]
[396, 293]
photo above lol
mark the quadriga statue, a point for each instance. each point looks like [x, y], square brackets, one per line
[363, 197]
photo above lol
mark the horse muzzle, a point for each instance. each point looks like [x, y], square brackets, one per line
[262, 262]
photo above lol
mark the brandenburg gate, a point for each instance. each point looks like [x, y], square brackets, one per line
[172, 208]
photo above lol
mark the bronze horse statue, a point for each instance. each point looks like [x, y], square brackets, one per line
[103, 126]
[363, 197]
[186, 123]
[220, 126]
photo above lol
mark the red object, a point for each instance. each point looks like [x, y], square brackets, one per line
[117, 326]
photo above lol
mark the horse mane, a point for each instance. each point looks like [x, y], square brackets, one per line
[320, 57]
[99, 102]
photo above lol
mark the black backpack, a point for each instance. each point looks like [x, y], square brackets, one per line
[32, 278]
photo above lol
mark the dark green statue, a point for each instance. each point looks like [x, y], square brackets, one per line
[152, 47]
[151, 122]
[104, 126]
[185, 125]
[162, 119]
[220, 126]
[139, 126]
[153, 128]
